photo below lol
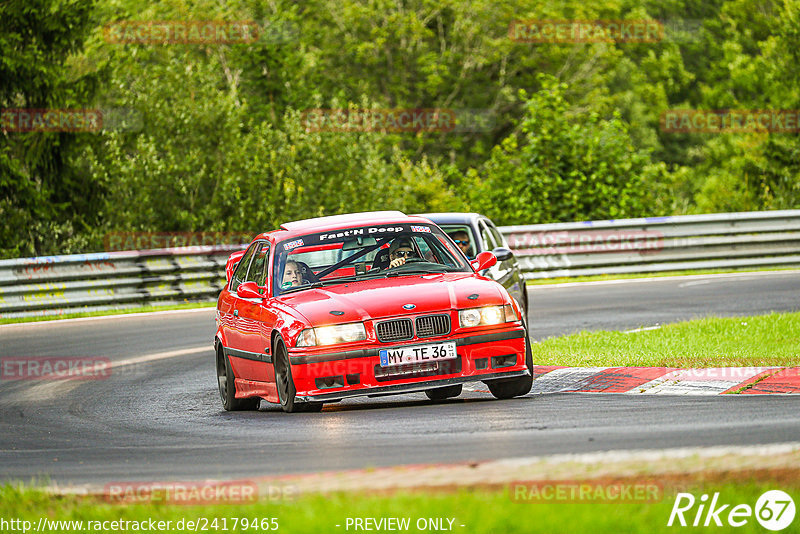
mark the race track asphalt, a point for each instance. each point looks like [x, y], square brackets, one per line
[162, 420]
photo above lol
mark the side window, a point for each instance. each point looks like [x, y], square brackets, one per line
[486, 237]
[425, 250]
[258, 269]
[240, 274]
[498, 237]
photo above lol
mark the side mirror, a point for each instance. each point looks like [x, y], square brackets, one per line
[502, 253]
[484, 260]
[249, 290]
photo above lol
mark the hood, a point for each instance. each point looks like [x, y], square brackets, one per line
[385, 297]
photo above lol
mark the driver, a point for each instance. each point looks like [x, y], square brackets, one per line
[461, 238]
[401, 249]
[292, 275]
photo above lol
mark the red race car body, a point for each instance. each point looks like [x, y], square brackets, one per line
[363, 304]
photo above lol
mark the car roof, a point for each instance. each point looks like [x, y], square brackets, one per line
[338, 222]
[334, 221]
[452, 217]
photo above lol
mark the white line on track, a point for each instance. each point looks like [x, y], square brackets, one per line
[695, 283]
[121, 316]
[52, 388]
[161, 356]
[643, 329]
[663, 279]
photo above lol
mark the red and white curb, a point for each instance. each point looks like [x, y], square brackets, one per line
[666, 380]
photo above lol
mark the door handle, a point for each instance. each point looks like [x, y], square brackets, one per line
[236, 313]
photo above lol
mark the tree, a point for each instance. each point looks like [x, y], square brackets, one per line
[43, 204]
[564, 166]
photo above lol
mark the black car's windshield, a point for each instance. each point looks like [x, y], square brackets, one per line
[362, 252]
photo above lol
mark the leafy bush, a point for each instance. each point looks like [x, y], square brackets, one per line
[565, 165]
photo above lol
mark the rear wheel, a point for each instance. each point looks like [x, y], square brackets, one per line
[285, 384]
[446, 392]
[508, 388]
[227, 386]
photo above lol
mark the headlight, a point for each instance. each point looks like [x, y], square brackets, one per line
[488, 315]
[331, 335]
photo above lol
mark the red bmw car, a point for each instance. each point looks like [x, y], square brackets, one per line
[364, 304]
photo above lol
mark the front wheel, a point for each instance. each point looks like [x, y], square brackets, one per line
[227, 386]
[508, 388]
[285, 384]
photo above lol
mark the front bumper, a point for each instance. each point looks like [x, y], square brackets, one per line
[499, 353]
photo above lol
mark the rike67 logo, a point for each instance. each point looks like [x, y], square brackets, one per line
[774, 510]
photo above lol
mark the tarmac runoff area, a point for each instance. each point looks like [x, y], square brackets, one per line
[646, 474]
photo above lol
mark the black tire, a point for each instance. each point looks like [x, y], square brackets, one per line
[508, 388]
[439, 394]
[285, 384]
[227, 387]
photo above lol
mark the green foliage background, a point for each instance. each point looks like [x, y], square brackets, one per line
[214, 138]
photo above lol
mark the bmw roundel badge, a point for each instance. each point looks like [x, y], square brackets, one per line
[409, 306]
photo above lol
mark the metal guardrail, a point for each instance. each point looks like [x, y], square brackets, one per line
[55, 285]
[657, 244]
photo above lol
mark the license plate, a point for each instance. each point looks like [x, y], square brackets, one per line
[418, 354]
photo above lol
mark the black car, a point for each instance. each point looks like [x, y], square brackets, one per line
[481, 234]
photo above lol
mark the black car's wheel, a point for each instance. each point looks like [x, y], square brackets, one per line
[507, 388]
[227, 386]
[285, 384]
[446, 392]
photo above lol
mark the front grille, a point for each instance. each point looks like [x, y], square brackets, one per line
[433, 325]
[394, 330]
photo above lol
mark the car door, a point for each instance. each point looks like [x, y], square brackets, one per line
[263, 317]
[229, 301]
[249, 349]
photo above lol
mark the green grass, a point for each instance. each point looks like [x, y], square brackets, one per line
[605, 277]
[479, 511]
[77, 314]
[738, 341]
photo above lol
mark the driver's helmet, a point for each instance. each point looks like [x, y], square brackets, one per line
[404, 243]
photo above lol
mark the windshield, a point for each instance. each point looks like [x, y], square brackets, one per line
[363, 252]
